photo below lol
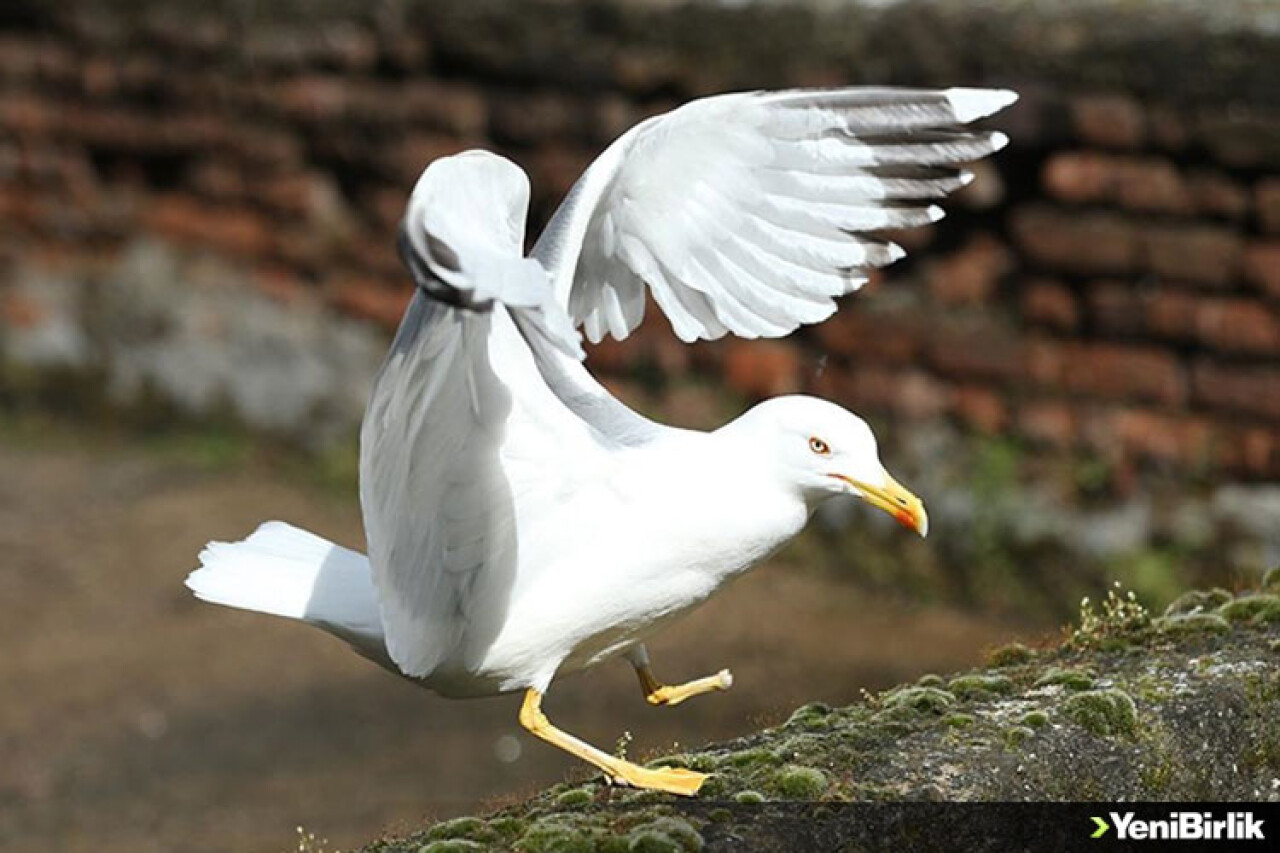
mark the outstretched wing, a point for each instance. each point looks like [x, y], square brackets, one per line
[748, 213]
[459, 429]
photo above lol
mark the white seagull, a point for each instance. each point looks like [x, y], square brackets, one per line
[522, 523]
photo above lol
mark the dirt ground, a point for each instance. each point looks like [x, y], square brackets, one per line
[137, 719]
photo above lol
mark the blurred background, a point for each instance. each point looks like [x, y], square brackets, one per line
[1078, 369]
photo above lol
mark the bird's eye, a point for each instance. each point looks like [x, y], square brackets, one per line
[819, 446]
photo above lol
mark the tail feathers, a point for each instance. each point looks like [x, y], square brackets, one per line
[289, 572]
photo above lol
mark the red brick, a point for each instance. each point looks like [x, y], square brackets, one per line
[1168, 127]
[1239, 325]
[1051, 304]
[980, 408]
[369, 299]
[1151, 436]
[1048, 422]
[1116, 307]
[1115, 121]
[1219, 195]
[1267, 199]
[1138, 183]
[233, 230]
[1250, 390]
[1262, 266]
[977, 350]
[763, 368]
[1075, 242]
[919, 396]
[1114, 371]
[1242, 139]
[1206, 254]
[868, 335]
[1249, 451]
[986, 191]
[971, 274]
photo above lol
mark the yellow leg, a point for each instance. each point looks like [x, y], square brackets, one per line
[673, 780]
[658, 693]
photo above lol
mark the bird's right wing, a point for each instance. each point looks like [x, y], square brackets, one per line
[748, 213]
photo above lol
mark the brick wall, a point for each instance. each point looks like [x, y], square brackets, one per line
[1110, 284]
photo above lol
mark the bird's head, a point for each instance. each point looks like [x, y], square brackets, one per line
[826, 450]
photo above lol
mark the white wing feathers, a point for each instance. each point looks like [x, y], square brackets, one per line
[463, 240]
[748, 213]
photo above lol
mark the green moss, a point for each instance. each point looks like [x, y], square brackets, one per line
[815, 715]
[1198, 600]
[1271, 580]
[461, 827]
[918, 700]
[1257, 609]
[1010, 654]
[1015, 736]
[978, 686]
[574, 798]
[748, 758]
[451, 845]
[508, 828]
[1035, 719]
[1071, 679]
[720, 815]
[958, 721]
[748, 797]
[930, 679]
[800, 783]
[665, 835]
[1103, 712]
[551, 835]
[1190, 624]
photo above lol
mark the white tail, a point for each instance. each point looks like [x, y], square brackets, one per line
[289, 572]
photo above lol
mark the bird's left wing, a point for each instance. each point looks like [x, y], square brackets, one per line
[461, 439]
[748, 213]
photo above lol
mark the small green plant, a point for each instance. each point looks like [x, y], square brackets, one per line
[1122, 616]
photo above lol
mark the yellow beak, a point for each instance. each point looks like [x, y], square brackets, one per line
[905, 507]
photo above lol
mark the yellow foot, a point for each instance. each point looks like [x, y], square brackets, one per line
[675, 694]
[673, 780]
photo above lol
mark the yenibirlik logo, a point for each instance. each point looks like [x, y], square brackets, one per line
[1182, 826]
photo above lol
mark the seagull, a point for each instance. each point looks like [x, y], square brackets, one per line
[524, 524]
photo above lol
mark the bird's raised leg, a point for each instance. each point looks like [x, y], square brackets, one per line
[657, 693]
[673, 780]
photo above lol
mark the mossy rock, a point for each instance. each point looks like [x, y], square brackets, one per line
[1010, 654]
[748, 797]
[553, 835]
[1071, 679]
[1035, 719]
[800, 783]
[462, 828]
[452, 845]
[1271, 580]
[665, 835]
[1106, 712]
[814, 716]
[977, 686]
[574, 798]
[748, 758]
[1195, 622]
[908, 701]
[1016, 736]
[958, 721]
[1258, 609]
[1198, 600]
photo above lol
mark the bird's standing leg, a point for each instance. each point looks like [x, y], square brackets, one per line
[673, 780]
[657, 693]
